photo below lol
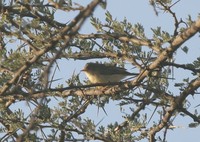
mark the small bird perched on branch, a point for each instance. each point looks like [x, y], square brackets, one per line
[103, 73]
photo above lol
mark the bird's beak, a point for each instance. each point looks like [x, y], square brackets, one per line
[83, 70]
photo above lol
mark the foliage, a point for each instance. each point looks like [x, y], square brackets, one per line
[34, 107]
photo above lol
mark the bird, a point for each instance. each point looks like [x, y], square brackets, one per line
[104, 73]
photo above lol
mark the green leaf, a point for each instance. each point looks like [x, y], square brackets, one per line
[109, 17]
[179, 84]
[157, 31]
[193, 125]
[103, 4]
[185, 49]
[96, 23]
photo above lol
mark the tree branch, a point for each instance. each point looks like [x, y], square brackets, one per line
[183, 66]
[176, 103]
[68, 31]
[122, 38]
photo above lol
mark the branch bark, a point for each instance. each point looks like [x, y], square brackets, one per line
[176, 105]
[68, 31]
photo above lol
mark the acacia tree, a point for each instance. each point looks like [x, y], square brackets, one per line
[32, 42]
